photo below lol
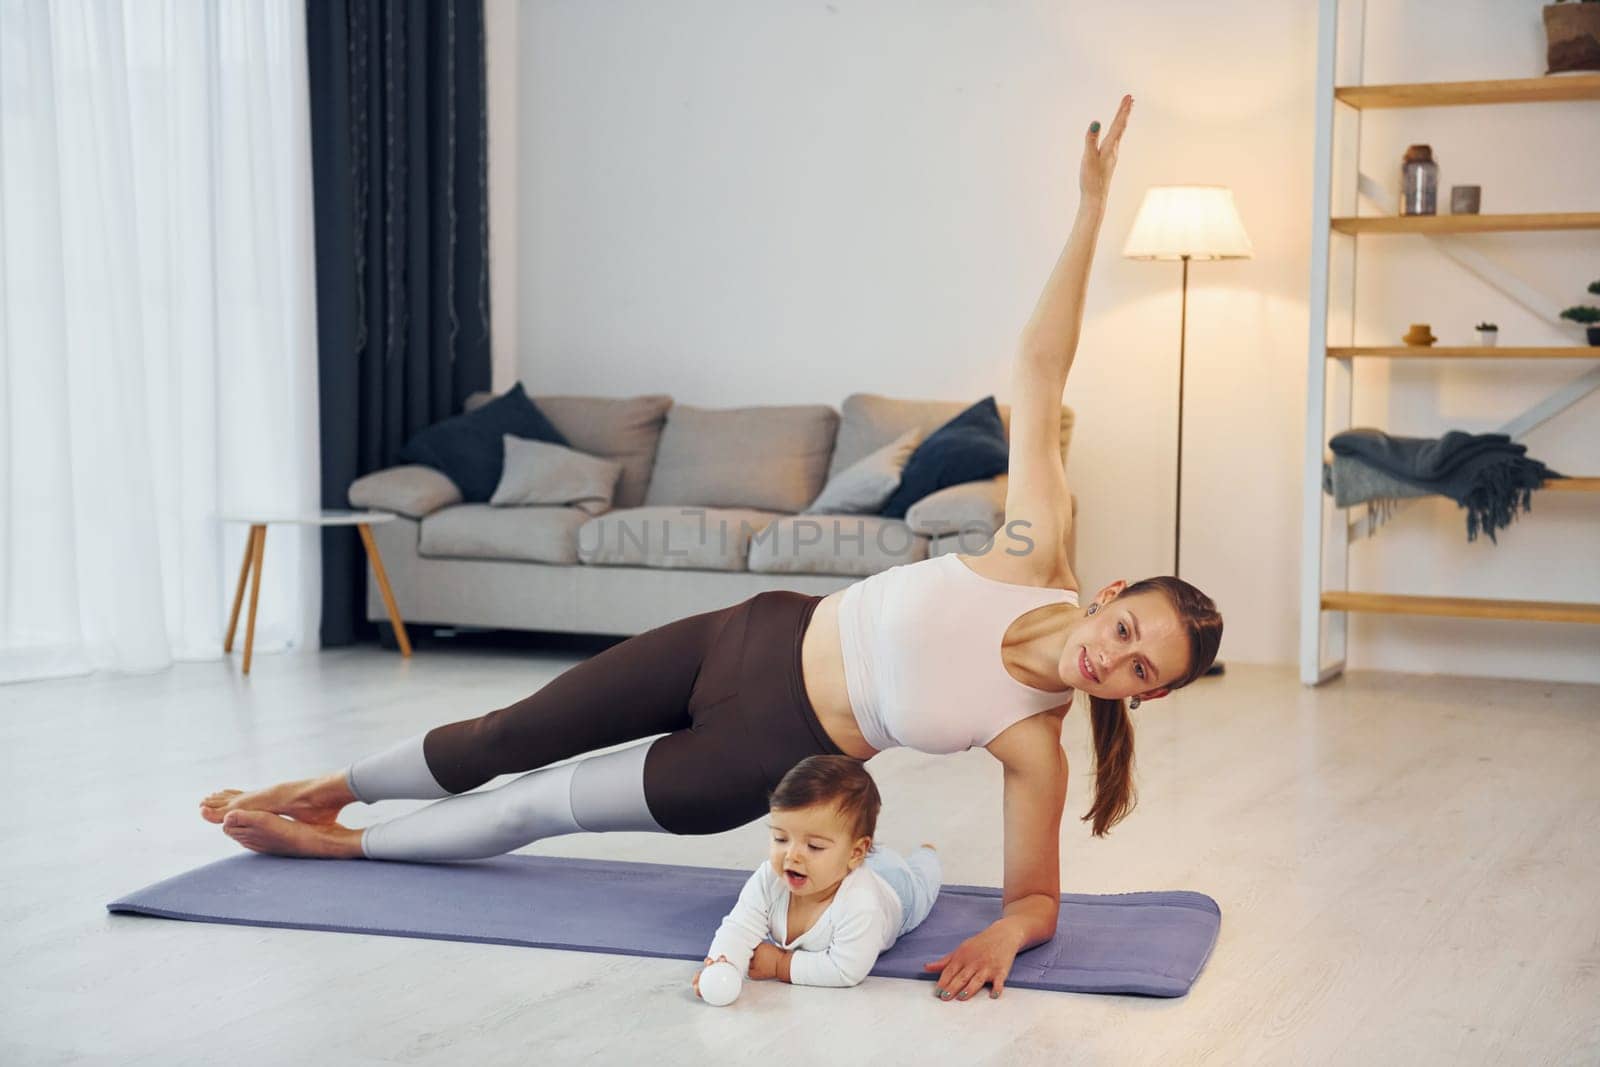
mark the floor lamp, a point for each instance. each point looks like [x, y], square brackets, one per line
[1185, 222]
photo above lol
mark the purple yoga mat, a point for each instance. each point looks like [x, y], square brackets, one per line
[1146, 943]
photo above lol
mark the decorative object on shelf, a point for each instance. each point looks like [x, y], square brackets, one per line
[1464, 199]
[1587, 315]
[1419, 335]
[1489, 474]
[1419, 182]
[1572, 36]
[1488, 334]
[1185, 222]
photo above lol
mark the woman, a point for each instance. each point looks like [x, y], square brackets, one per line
[946, 654]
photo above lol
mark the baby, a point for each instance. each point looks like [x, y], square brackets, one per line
[829, 899]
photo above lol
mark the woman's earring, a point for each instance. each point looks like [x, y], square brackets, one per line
[1093, 608]
[1134, 704]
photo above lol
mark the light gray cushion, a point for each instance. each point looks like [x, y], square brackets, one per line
[411, 490]
[771, 458]
[974, 542]
[620, 428]
[870, 421]
[856, 545]
[979, 506]
[627, 429]
[862, 487]
[480, 531]
[538, 472]
[713, 539]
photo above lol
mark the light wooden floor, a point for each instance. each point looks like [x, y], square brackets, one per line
[1408, 868]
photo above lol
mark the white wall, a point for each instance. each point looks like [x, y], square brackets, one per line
[745, 203]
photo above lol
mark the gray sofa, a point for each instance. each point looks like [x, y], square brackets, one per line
[706, 514]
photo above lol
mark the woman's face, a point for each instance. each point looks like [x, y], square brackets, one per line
[1131, 646]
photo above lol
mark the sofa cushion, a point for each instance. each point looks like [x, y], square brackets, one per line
[864, 486]
[978, 506]
[538, 472]
[854, 545]
[479, 531]
[468, 448]
[626, 429]
[968, 447]
[712, 539]
[771, 458]
[869, 421]
[412, 490]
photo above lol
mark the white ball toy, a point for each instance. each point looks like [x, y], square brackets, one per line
[720, 984]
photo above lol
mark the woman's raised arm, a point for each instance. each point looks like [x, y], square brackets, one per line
[1036, 493]
[1050, 339]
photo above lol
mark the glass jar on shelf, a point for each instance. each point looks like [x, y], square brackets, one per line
[1419, 182]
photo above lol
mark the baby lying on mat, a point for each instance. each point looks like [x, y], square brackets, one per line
[829, 899]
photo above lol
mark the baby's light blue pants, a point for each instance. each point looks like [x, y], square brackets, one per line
[915, 879]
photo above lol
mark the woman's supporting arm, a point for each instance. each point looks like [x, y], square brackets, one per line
[1035, 791]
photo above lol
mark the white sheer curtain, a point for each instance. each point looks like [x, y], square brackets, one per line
[157, 329]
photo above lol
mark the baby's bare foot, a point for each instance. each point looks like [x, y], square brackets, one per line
[262, 831]
[314, 800]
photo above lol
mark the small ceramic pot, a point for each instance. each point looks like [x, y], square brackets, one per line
[1488, 338]
[1419, 335]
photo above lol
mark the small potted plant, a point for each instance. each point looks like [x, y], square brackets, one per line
[1587, 314]
[1572, 36]
[1488, 334]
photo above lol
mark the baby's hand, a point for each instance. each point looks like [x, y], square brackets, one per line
[764, 964]
[709, 961]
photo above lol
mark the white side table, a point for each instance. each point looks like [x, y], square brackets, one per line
[256, 543]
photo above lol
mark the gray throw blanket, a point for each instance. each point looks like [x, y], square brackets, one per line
[1488, 474]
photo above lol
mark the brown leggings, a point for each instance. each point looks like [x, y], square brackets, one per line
[724, 686]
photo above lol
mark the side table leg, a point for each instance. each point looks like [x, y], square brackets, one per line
[238, 594]
[258, 544]
[383, 585]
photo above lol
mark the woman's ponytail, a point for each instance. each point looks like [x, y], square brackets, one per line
[1113, 730]
[1113, 764]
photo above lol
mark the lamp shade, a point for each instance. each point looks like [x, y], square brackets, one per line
[1198, 221]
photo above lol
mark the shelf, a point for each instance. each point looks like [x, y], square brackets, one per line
[1573, 485]
[1465, 352]
[1466, 94]
[1549, 220]
[1461, 607]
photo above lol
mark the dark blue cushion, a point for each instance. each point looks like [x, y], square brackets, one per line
[468, 448]
[969, 447]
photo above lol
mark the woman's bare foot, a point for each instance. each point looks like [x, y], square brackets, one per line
[262, 831]
[317, 801]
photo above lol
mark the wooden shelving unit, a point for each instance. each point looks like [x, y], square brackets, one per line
[1573, 485]
[1461, 607]
[1465, 352]
[1461, 94]
[1550, 220]
[1327, 531]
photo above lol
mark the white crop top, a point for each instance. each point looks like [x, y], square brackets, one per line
[922, 646]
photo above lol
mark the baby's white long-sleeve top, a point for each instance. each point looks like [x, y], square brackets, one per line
[861, 921]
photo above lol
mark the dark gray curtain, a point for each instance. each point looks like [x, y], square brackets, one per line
[399, 167]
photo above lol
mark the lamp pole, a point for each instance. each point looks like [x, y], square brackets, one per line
[1177, 509]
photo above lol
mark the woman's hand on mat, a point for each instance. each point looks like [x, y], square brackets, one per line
[764, 964]
[980, 960]
[1100, 154]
